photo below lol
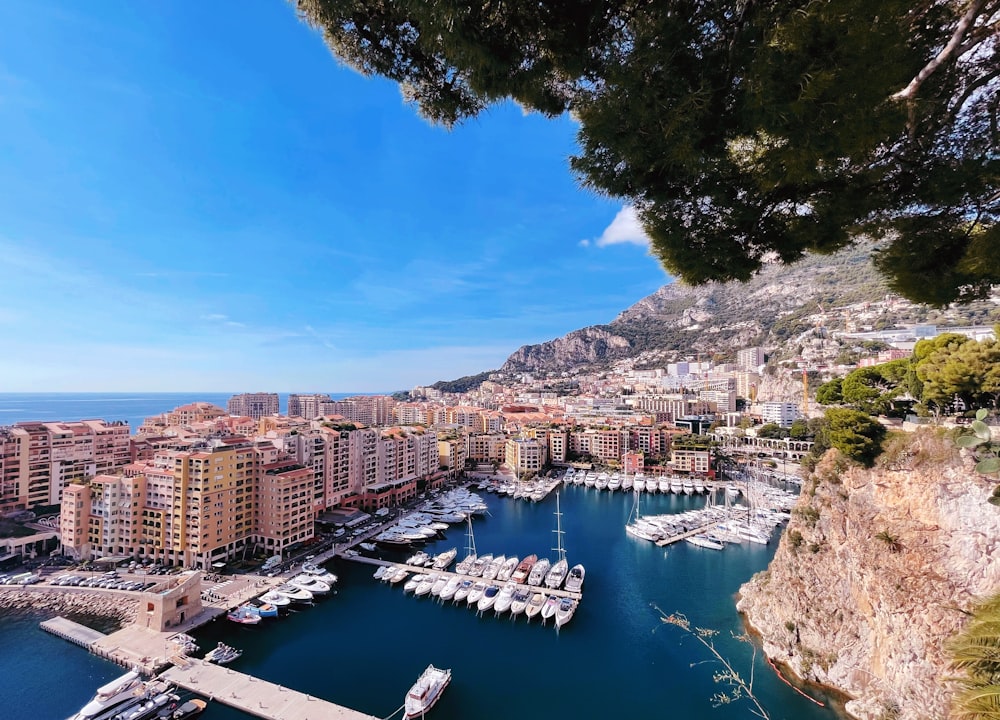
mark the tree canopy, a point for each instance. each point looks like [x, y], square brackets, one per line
[743, 132]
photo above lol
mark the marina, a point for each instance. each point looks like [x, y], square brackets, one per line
[363, 647]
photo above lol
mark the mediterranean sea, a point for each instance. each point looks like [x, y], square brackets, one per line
[364, 646]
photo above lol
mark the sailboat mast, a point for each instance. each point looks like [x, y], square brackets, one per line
[558, 531]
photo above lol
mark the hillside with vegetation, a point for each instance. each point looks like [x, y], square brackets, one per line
[782, 309]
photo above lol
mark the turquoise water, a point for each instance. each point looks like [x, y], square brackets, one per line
[364, 646]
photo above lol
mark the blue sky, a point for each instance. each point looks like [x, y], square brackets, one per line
[196, 196]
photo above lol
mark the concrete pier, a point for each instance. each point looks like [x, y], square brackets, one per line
[254, 696]
[684, 535]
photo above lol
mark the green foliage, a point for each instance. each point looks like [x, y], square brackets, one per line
[891, 541]
[986, 452]
[740, 131]
[856, 434]
[953, 366]
[799, 430]
[770, 430]
[830, 393]
[975, 652]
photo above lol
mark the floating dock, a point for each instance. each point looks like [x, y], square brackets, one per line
[684, 535]
[254, 696]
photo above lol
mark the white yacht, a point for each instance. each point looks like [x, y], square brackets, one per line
[534, 605]
[688, 485]
[425, 585]
[574, 581]
[476, 592]
[504, 599]
[425, 692]
[443, 560]
[538, 571]
[275, 598]
[507, 569]
[310, 583]
[411, 584]
[438, 586]
[127, 687]
[465, 565]
[627, 482]
[488, 599]
[463, 590]
[676, 485]
[615, 482]
[639, 484]
[448, 591]
[519, 602]
[294, 594]
[491, 571]
[550, 607]
[557, 574]
[480, 565]
[564, 613]
[699, 485]
[663, 484]
[702, 541]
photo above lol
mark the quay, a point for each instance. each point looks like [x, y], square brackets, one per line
[252, 695]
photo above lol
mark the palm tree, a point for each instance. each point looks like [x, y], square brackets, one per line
[976, 651]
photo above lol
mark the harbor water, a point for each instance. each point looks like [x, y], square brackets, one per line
[364, 646]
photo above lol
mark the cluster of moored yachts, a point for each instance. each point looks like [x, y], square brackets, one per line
[311, 583]
[638, 483]
[433, 518]
[719, 524]
[129, 697]
[502, 584]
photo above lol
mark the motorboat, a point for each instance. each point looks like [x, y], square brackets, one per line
[186, 710]
[564, 613]
[676, 485]
[244, 615]
[556, 574]
[520, 574]
[507, 569]
[438, 585]
[443, 560]
[574, 580]
[425, 692]
[534, 605]
[550, 607]
[222, 654]
[464, 588]
[639, 485]
[699, 485]
[185, 643]
[688, 485]
[310, 583]
[425, 585]
[277, 599]
[448, 591]
[418, 558]
[480, 565]
[148, 706]
[615, 482]
[538, 571]
[491, 571]
[519, 602]
[267, 610]
[466, 564]
[294, 594]
[627, 482]
[113, 694]
[411, 584]
[504, 599]
[663, 485]
[319, 573]
[476, 592]
[488, 599]
[379, 572]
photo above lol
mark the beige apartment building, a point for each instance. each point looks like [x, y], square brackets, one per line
[283, 506]
[486, 448]
[524, 455]
[38, 459]
[306, 406]
[255, 405]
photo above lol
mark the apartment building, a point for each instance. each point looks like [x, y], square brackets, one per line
[371, 410]
[670, 406]
[782, 414]
[524, 455]
[254, 405]
[606, 445]
[38, 459]
[452, 454]
[283, 512]
[750, 358]
[691, 461]
[306, 406]
[486, 447]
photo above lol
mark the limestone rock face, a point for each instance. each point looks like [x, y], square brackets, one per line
[873, 574]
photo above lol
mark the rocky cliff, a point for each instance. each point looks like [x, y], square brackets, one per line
[875, 573]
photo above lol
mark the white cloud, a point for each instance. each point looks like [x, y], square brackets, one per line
[625, 228]
[215, 317]
[585, 243]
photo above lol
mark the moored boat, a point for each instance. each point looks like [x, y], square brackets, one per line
[448, 591]
[222, 654]
[244, 615]
[294, 594]
[550, 607]
[534, 605]
[538, 571]
[519, 602]
[507, 569]
[520, 574]
[186, 710]
[556, 574]
[574, 580]
[110, 695]
[564, 613]
[311, 583]
[426, 691]
[279, 600]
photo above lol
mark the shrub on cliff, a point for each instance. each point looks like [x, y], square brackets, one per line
[855, 434]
